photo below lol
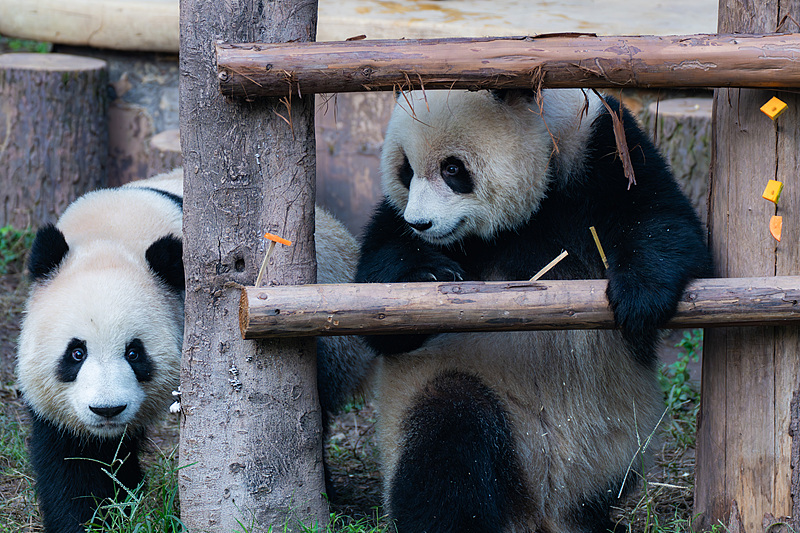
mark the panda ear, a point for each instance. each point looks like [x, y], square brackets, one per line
[513, 96]
[165, 257]
[48, 250]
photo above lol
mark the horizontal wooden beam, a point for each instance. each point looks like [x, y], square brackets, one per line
[348, 309]
[561, 60]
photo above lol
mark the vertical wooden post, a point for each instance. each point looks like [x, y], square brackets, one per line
[744, 446]
[251, 432]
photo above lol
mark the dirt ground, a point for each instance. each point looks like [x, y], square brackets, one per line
[351, 451]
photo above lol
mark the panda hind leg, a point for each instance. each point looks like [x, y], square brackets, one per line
[592, 515]
[458, 470]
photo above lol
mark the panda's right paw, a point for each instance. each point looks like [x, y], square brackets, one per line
[438, 269]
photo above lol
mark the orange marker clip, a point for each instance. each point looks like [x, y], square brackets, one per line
[273, 240]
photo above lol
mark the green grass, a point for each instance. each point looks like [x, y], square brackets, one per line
[153, 507]
[24, 45]
[664, 506]
[681, 395]
[14, 244]
[17, 504]
[150, 508]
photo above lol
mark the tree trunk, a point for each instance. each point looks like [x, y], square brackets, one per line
[251, 433]
[358, 309]
[744, 447]
[53, 134]
[254, 69]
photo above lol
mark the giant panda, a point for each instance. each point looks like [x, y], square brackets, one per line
[100, 345]
[522, 431]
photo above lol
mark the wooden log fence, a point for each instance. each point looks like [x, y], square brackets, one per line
[254, 70]
[747, 436]
[379, 308]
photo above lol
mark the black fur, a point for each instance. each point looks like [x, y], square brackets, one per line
[456, 176]
[651, 235]
[458, 445]
[406, 173]
[71, 360]
[138, 358]
[69, 478]
[174, 197]
[48, 250]
[165, 257]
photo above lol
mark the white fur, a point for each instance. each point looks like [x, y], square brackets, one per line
[508, 145]
[104, 293]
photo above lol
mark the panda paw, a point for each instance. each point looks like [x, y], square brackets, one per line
[640, 311]
[441, 269]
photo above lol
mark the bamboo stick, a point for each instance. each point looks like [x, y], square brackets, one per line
[563, 60]
[347, 309]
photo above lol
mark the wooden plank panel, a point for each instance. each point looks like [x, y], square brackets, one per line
[749, 375]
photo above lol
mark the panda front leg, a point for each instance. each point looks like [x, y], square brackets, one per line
[391, 253]
[70, 481]
[456, 469]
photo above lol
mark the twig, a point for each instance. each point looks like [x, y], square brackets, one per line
[550, 265]
[599, 246]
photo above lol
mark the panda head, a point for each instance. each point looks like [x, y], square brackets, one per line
[459, 163]
[100, 344]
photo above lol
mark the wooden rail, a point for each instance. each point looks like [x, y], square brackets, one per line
[563, 60]
[348, 309]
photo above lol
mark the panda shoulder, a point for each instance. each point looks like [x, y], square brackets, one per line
[337, 249]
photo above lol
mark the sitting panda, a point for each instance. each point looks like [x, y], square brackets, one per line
[522, 431]
[100, 346]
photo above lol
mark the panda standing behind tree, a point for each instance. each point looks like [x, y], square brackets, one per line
[100, 347]
[522, 431]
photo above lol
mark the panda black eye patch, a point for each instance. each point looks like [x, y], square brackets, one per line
[140, 362]
[405, 173]
[71, 360]
[456, 176]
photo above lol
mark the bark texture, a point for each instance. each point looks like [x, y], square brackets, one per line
[744, 448]
[352, 309]
[251, 433]
[53, 134]
[256, 69]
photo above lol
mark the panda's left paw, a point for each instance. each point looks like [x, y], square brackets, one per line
[640, 310]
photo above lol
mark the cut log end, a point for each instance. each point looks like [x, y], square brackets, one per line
[244, 313]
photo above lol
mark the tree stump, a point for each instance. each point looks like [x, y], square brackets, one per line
[681, 128]
[164, 152]
[53, 134]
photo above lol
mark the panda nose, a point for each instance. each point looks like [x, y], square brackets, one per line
[108, 412]
[421, 226]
